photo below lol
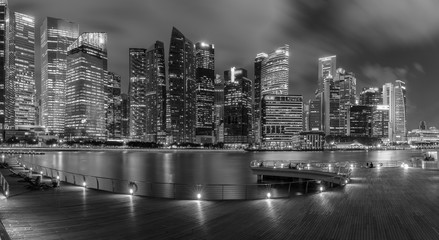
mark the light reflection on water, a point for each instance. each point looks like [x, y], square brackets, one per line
[197, 167]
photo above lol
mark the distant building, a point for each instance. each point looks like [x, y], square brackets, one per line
[20, 102]
[275, 72]
[422, 136]
[327, 69]
[281, 120]
[219, 110]
[257, 94]
[56, 36]
[394, 95]
[113, 106]
[370, 97]
[4, 61]
[182, 89]
[422, 125]
[205, 91]
[85, 87]
[380, 123]
[360, 118]
[125, 125]
[315, 117]
[137, 92]
[339, 96]
[312, 141]
[237, 107]
[155, 94]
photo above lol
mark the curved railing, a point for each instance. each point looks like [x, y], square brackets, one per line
[4, 185]
[182, 191]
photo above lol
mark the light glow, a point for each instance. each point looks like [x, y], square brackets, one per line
[199, 196]
[131, 191]
[268, 195]
[84, 184]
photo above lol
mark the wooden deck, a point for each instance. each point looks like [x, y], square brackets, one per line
[386, 203]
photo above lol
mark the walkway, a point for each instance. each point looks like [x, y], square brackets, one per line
[378, 203]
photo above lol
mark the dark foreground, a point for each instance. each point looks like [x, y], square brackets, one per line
[387, 203]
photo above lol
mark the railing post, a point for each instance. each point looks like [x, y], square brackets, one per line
[112, 184]
[97, 183]
[222, 192]
[306, 188]
[289, 190]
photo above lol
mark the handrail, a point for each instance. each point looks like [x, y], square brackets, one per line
[182, 190]
[4, 185]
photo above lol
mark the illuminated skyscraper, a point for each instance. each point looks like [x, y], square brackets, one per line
[155, 94]
[281, 120]
[316, 112]
[4, 59]
[339, 96]
[257, 93]
[56, 36]
[113, 106]
[370, 97]
[219, 109]
[125, 115]
[137, 93]
[327, 68]
[237, 106]
[182, 89]
[205, 77]
[275, 72]
[85, 87]
[20, 102]
[394, 95]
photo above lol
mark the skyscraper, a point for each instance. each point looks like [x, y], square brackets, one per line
[125, 125]
[257, 93]
[85, 87]
[4, 59]
[182, 89]
[113, 106]
[394, 95]
[237, 106]
[20, 103]
[339, 96]
[205, 77]
[219, 110]
[370, 97]
[327, 69]
[281, 120]
[275, 72]
[360, 118]
[137, 92]
[316, 112]
[56, 36]
[155, 94]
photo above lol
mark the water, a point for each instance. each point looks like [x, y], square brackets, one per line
[193, 167]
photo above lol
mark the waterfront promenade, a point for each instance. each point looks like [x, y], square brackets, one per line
[386, 203]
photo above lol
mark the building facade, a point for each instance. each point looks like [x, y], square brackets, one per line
[4, 60]
[137, 92]
[394, 95]
[85, 87]
[219, 110]
[315, 117]
[360, 118]
[281, 120]
[125, 125]
[155, 94]
[275, 72]
[113, 106]
[205, 93]
[56, 36]
[257, 96]
[182, 89]
[327, 69]
[21, 95]
[237, 107]
[380, 123]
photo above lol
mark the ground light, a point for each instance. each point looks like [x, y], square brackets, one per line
[84, 184]
[41, 172]
[268, 195]
[7, 193]
[198, 196]
[57, 177]
[131, 191]
[321, 189]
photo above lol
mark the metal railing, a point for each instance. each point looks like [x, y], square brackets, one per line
[183, 191]
[4, 185]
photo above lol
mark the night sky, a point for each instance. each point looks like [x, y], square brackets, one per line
[379, 40]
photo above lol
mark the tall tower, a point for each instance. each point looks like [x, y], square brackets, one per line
[155, 94]
[56, 36]
[205, 77]
[4, 60]
[400, 112]
[257, 94]
[20, 102]
[237, 106]
[275, 72]
[327, 69]
[137, 92]
[219, 109]
[113, 105]
[85, 87]
[182, 89]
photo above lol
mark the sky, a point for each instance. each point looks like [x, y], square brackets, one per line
[379, 40]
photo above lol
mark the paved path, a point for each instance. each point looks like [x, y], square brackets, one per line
[387, 203]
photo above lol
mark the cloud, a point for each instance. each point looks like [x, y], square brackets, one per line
[418, 67]
[379, 75]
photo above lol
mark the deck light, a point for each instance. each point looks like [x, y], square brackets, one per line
[131, 191]
[7, 193]
[321, 189]
[346, 181]
[198, 195]
[268, 195]
[352, 165]
[31, 169]
[329, 165]
[41, 172]
[84, 184]
[57, 177]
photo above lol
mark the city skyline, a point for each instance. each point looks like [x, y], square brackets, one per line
[394, 55]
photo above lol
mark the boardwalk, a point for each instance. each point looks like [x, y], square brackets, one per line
[387, 203]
